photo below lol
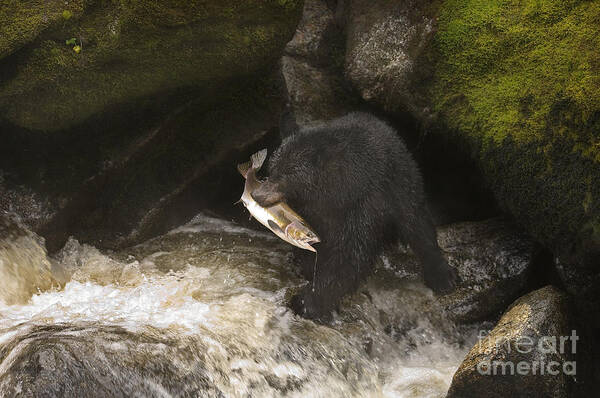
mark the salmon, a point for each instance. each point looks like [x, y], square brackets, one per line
[279, 218]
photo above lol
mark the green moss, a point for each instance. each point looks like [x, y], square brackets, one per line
[22, 21]
[506, 64]
[66, 14]
[519, 80]
[133, 48]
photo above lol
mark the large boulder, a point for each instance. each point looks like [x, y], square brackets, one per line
[87, 360]
[494, 261]
[62, 62]
[118, 180]
[385, 44]
[530, 352]
[524, 93]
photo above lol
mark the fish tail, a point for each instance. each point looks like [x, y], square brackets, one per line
[258, 159]
[243, 168]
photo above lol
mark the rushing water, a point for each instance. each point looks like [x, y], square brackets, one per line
[201, 311]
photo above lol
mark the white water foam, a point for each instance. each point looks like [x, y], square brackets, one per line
[230, 295]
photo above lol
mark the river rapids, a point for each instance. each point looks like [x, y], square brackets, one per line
[201, 311]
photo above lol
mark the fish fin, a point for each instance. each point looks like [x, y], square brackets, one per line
[273, 225]
[258, 159]
[243, 168]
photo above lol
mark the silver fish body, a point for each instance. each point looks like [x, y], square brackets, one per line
[279, 218]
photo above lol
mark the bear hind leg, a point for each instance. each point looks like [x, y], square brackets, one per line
[421, 237]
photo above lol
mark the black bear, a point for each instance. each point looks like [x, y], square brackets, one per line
[356, 184]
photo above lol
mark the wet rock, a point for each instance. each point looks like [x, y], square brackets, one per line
[312, 67]
[535, 333]
[91, 361]
[31, 207]
[494, 263]
[385, 43]
[314, 93]
[127, 52]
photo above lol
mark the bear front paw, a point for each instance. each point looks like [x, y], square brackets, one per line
[307, 305]
[442, 280]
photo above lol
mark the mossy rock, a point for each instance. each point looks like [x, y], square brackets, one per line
[518, 82]
[127, 50]
[22, 21]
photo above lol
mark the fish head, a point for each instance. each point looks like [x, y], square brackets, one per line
[306, 246]
[301, 235]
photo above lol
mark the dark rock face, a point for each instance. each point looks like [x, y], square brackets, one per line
[312, 66]
[162, 178]
[117, 181]
[528, 335]
[385, 45]
[494, 264]
[583, 282]
[314, 94]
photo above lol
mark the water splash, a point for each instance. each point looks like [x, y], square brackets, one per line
[24, 267]
[202, 311]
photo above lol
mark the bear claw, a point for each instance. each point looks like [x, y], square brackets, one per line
[443, 280]
[305, 304]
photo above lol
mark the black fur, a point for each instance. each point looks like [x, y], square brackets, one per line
[356, 184]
